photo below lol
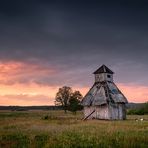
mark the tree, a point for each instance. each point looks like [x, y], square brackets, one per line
[74, 102]
[68, 99]
[63, 96]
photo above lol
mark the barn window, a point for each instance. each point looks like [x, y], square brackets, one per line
[108, 76]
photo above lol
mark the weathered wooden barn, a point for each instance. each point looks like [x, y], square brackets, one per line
[104, 100]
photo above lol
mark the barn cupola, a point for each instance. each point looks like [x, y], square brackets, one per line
[103, 74]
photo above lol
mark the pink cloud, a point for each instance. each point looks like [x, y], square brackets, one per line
[25, 99]
[134, 93]
[18, 72]
[24, 94]
[45, 95]
[20, 85]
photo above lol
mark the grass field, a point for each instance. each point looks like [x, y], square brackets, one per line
[51, 129]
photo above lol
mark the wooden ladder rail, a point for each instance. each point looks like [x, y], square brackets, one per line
[89, 115]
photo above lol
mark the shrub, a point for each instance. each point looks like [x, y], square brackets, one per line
[46, 117]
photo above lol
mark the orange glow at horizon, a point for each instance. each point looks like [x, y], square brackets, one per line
[14, 90]
[134, 93]
[27, 94]
[34, 94]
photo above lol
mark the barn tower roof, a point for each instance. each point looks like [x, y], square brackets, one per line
[103, 69]
[103, 91]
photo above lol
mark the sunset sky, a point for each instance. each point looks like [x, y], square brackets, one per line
[47, 44]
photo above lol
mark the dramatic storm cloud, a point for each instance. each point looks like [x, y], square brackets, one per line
[47, 44]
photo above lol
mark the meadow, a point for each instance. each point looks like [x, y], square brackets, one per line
[55, 129]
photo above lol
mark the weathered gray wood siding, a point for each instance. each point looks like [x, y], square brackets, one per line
[117, 112]
[123, 110]
[101, 112]
[103, 77]
[88, 110]
[108, 112]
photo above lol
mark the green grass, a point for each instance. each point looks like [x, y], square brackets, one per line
[52, 129]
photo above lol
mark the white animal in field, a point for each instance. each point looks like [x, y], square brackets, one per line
[141, 119]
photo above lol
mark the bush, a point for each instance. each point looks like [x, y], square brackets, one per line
[49, 117]
[135, 112]
[46, 117]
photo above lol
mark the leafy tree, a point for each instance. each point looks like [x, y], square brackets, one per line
[74, 102]
[63, 96]
[68, 99]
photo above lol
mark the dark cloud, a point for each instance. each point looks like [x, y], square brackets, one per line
[77, 37]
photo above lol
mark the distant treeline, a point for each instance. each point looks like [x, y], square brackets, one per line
[142, 110]
[26, 108]
[135, 105]
[133, 108]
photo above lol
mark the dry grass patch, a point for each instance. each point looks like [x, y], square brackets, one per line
[30, 129]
